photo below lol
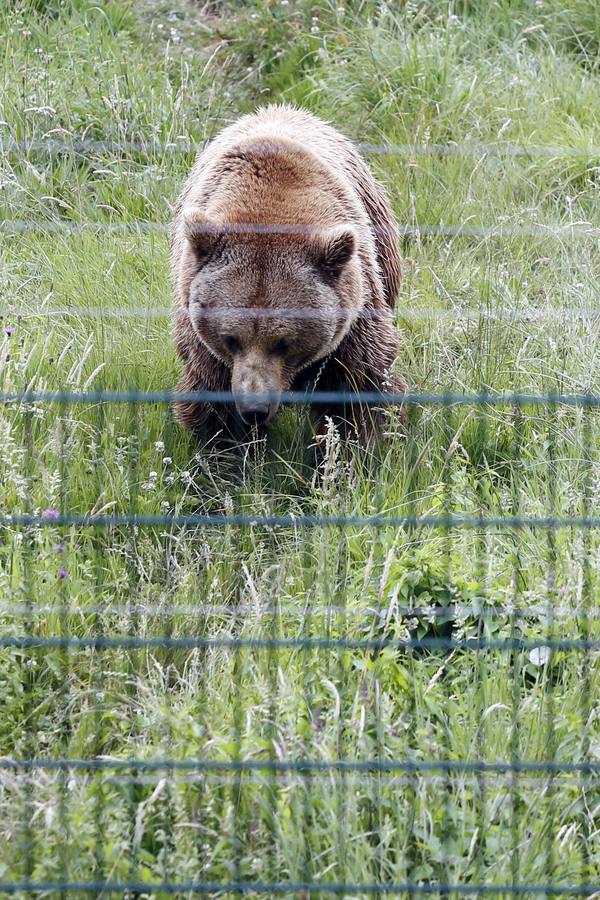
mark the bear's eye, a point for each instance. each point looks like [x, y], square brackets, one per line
[280, 348]
[231, 343]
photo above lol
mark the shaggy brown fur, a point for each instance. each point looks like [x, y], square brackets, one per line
[285, 267]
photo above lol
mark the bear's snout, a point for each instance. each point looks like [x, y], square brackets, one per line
[254, 412]
[256, 385]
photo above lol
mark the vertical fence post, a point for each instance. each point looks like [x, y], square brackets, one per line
[99, 542]
[516, 654]
[63, 691]
[451, 440]
[585, 822]
[133, 655]
[548, 655]
[23, 551]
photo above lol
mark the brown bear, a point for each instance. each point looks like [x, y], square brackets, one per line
[285, 269]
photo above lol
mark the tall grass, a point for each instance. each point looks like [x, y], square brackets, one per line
[488, 311]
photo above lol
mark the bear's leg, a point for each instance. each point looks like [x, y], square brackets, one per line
[382, 420]
[363, 364]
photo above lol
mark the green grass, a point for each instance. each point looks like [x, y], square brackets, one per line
[508, 310]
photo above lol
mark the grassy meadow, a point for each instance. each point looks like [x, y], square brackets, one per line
[101, 107]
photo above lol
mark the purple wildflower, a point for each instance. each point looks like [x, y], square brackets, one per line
[62, 573]
[51, 514]
[9, 330]
[59, 548]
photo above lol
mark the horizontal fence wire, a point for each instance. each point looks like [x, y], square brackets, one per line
[301, 765]
[151, 145]
[218, 520]
[300, 888]
[327, 398]
[567, 232]
[526, 313]
[301, 643]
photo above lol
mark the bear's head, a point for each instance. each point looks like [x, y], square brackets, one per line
[269, 300]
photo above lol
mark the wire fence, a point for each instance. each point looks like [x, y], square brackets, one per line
[239, 696]
[314, 693]
[569, 231]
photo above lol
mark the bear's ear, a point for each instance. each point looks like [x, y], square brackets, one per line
[201, 234]
[335, 249]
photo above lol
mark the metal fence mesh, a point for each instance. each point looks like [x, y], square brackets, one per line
[381, 702]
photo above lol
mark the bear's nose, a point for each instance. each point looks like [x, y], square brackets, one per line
[254, 413]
